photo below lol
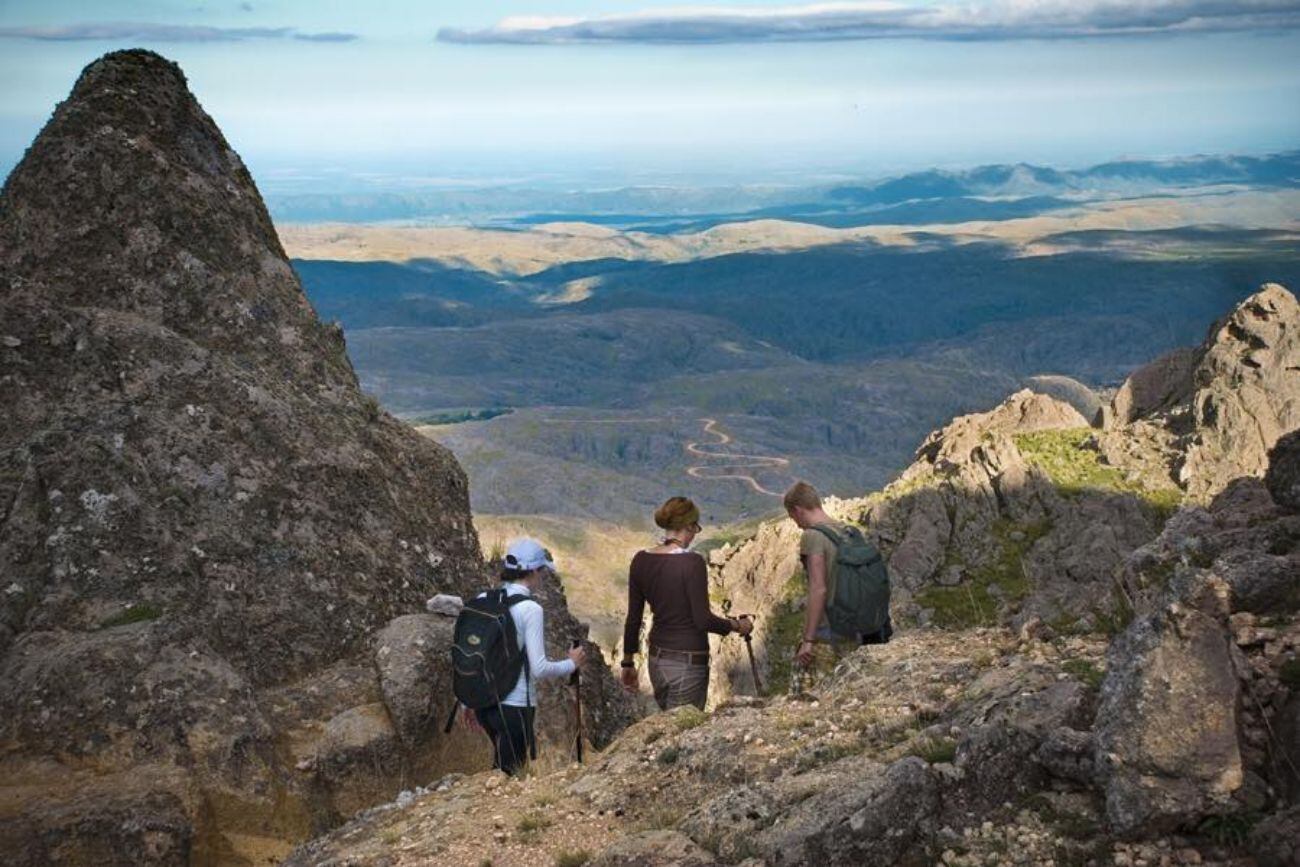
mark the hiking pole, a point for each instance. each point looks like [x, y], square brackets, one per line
[576, 680]
[753, 666]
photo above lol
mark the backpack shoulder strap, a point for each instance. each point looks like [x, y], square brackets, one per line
[826, 531]
[512, 601]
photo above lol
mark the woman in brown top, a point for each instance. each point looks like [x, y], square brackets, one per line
[676, 584]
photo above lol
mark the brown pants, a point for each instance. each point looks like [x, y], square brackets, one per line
[677, 682]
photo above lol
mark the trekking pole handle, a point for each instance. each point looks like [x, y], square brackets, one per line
[573, 644]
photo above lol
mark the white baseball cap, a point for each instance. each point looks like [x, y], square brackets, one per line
[525, 555]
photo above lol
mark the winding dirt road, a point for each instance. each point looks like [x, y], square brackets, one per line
[735, 461]
[707, 472]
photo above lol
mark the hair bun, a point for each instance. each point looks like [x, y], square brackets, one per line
[676, 513]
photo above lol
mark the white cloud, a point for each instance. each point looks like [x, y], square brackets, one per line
[112, 31]
[993, 20]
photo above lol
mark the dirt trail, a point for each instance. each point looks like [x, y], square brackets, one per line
[735, 461]
[708, 472]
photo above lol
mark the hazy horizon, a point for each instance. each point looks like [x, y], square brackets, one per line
[759, 92]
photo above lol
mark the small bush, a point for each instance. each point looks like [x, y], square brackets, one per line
[1289, 673]
[576, 858]
[689, 717]
[936, 750]
[531, 822]
[669, 755]
[1228, 830]
[138, 613]
[1083, 670]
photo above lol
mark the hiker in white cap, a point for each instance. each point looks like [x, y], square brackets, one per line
[510, 724]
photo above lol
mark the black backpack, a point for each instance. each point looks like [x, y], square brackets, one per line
[485, 656]
[860, 602]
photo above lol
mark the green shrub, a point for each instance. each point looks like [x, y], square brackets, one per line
[935, 750]
[973, 602]
[137, 613]
[1085, 672]
[689, 717]
[531, 822]
[576, 858]
[669, 755]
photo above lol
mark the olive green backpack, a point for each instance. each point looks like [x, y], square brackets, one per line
[859, 603]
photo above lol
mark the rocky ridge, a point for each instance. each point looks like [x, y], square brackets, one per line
[214, 545]
[1156, 723]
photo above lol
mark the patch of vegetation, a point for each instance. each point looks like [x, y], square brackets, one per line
[669, 755]
[1085, 672]
[935, 750]
[1076, 826]
[1071, 460]
[458, 417]
[531, 823]
[975, 602]
[1289, 673]
[659, 816]
[824, 754]
[575, 858]
[689, 717]
[1228, 830]
[138, 613]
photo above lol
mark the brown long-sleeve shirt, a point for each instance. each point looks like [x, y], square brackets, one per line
[677, 588]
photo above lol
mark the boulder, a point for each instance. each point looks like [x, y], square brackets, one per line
[1283, 476]
[653, 849]
[413, 658]
[1162, 384]
[1166, 736]
[870, 816]
[444, 605]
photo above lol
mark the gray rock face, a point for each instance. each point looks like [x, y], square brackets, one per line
[653, 849]
[1247, 391]
[1167, 748]
[872, 817]
[199, 509]
[1283, 476]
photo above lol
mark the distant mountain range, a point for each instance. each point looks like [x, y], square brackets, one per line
[965, 192]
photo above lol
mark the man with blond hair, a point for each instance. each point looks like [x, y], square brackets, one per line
[818, 548]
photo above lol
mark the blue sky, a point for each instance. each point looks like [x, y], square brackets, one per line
[637, 89]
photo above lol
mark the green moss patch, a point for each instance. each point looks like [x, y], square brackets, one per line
[975, 602]
[138, 613]
[1071, 460]
[1083, 670]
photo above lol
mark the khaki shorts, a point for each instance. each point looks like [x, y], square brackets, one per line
[677, 682]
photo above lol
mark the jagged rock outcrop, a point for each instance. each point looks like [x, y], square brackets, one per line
[203, 521]
[1175, 742]
[1211, 414]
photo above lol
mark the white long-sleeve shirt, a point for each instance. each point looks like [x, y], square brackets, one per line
[528, 617]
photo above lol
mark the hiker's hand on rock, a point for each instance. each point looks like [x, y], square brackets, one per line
[744, 625]
[631, 680]
[805, 655]
[578, 655]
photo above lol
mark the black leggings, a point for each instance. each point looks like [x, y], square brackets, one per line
[511, 730]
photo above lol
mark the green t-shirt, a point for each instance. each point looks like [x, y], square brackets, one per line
[815, 542]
